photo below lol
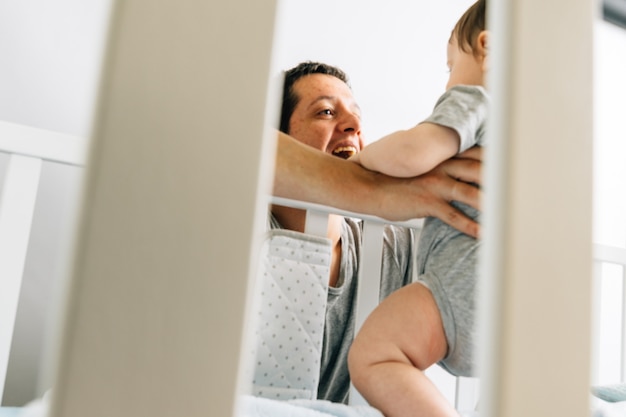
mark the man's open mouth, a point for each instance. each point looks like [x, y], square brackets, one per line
[344, 152]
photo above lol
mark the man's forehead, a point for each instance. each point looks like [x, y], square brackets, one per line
[329, 84]
[318, 87]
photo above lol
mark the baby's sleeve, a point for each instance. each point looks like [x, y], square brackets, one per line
[463, 108]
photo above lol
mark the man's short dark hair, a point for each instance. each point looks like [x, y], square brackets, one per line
[290, 99]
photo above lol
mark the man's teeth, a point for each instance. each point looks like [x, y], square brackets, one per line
[344, 152]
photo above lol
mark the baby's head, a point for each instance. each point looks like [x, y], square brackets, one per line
[467, 48]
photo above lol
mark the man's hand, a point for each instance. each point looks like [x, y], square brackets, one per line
[457, 179]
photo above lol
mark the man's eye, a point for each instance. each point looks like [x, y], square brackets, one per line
[326, 112]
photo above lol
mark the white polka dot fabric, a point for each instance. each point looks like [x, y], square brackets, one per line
[289, 328]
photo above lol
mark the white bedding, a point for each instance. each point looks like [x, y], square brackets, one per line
[605, 409]
[262, 407]
[250, 406]
[291, 292]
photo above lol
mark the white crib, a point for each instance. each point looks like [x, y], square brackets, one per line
[25, 152]
[27, 149]
[20, 188]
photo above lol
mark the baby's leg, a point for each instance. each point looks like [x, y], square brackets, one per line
[401, 338]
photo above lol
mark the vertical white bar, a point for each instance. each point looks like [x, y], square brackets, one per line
[466, 394]
[17, 204]
[173, 217]
[316, 223]
[623, 323]
[537, 230]
[596, 321]
[368, 292]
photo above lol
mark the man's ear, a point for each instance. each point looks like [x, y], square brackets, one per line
[482, 45]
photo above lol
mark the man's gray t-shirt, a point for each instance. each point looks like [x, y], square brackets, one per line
[397, 271]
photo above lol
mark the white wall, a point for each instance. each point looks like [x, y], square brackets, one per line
[393, 51]
[51, 53]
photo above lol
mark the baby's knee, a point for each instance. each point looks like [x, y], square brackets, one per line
[358, 361]
[364, 355]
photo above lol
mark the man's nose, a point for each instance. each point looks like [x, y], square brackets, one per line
[351, 123]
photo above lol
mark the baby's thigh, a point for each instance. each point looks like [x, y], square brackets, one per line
[407, 326]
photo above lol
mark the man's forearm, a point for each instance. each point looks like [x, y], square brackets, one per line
[304, 173]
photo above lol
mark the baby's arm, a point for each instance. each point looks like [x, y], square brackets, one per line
[412, 152]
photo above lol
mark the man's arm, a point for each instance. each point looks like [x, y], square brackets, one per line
[305, 173]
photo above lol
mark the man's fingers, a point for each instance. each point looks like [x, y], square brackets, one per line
[458, 220]
[466, 194]
[459, 177]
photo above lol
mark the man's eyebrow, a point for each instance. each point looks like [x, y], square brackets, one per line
[334, 98]
[322, 98]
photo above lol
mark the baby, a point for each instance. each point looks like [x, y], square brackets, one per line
[432, 320]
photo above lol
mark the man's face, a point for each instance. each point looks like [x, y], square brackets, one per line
[327, 116]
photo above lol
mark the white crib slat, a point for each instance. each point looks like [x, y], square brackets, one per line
[17, 204]
[368, 292]
[466, 393]
[617, 256]
[316, 223]
[161, 277]
[596, 316]
[623, 318]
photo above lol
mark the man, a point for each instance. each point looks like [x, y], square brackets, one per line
[320, 112]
